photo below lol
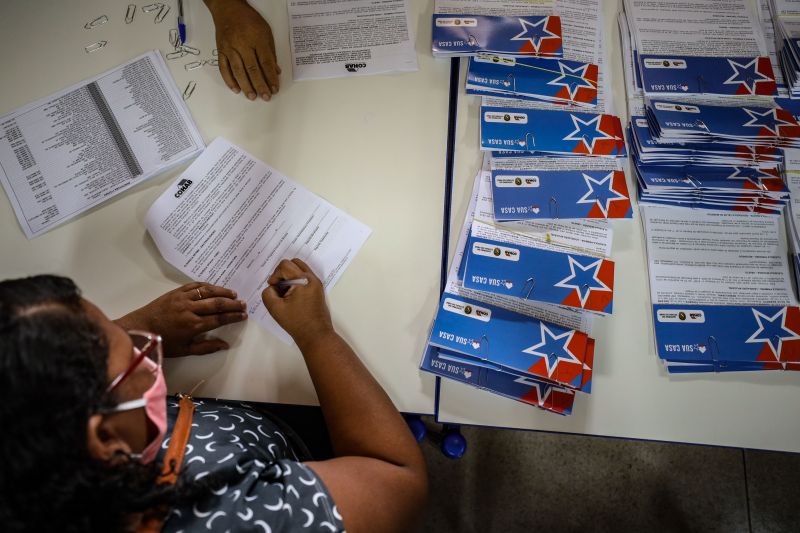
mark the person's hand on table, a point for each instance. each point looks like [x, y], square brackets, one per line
[300, 309]
[246, 49]
[183, 316]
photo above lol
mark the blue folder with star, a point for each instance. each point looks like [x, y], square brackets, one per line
[728, 337]
[516, 386]
[464, 35]
[555, 277]
[551, 132]
[528, 194]
[706, 75]
[549, 80]
[519, 343]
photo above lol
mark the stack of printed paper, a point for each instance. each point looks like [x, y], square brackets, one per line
[699, 47]
[466, 35]
[721, 291]
[786, 22]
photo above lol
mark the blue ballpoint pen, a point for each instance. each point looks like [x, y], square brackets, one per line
[181, 23]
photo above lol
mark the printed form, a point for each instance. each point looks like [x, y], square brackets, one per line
[230, 219]
[704, 257]
[336, 38]
[72, 150]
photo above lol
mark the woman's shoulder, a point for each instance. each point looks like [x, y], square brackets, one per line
[253, 480]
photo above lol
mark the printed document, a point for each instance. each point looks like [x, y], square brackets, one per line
[339, 38]
[705, 257]
[75, 149]
[230, 219]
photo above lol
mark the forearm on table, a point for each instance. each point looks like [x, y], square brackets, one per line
[361, 418]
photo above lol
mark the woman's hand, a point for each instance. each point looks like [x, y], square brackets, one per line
[246, 48]
[300, 309]
[183, 315]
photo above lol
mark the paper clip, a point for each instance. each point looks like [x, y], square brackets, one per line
[530, 284]
[130, 13]
[189, 90]
[713, 346]
[162, 13]
[472, 41]
[174, 38]
[190, 50]
[193, 65]
[102, 19]
[149, 8]
[94, 47]
[177, 54]
[212, 62]
[215, 52]
[553, 206]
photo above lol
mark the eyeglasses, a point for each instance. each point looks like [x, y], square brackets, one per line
[147, 349]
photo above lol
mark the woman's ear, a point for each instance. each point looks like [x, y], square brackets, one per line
[103, 442]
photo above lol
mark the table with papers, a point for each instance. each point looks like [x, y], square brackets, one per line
[352, 142]
[632, 395]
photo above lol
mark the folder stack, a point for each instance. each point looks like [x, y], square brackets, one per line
[455, 35]
[786, 24]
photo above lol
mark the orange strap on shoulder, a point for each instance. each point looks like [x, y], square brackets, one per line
[152, 522]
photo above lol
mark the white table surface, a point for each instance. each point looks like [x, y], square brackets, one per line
[632, 394]
[373, 146]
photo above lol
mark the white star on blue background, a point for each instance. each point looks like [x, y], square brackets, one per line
[753, 175]
[603, 195]
[748, 75]
[552, 349]
[583, 279]
[534, 33]
[772, 330]
[587, 132]
[573, 79]
[768, 119]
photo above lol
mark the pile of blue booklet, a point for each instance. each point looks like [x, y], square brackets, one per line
[456, 35]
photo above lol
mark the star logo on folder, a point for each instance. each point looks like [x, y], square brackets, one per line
[587, 132]
[747, 75]
[603, 195]
[773, 331]
[583, 279]
[572, 79]
[749, 174]
[535, 33]
[552, 349]
[768, 119]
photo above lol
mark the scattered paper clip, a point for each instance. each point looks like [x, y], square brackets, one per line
[102, 19]
[211, 62]
[94, 47]
[215, 52]
[174, 38]
[190, 50]
[177, 54]
[189, 90]
[130, 13]
[193, 65]
[149, 8]
[162, 13]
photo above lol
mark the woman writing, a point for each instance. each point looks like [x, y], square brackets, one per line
[86, 421]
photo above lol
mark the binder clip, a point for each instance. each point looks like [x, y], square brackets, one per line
[553, 206]
[130, 13]
[530, 284]
[99, 21]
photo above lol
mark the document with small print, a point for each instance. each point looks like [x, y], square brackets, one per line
[230, 219]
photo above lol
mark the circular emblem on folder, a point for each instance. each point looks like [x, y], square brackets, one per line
[507, 117]
[518, 181]
[682, 315]
[468, 310]
[496, 251]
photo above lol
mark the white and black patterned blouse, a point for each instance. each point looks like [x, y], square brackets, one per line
[262, 485]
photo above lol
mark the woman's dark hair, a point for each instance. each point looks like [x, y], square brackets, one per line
[52, 379]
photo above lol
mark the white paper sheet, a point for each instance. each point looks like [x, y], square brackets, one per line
[230, 219]
[342, 38]
[705, 257]
[72, 150]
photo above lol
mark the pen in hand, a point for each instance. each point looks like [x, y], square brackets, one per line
[285, 284]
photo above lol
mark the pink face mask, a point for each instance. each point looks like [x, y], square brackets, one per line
[154, 402]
